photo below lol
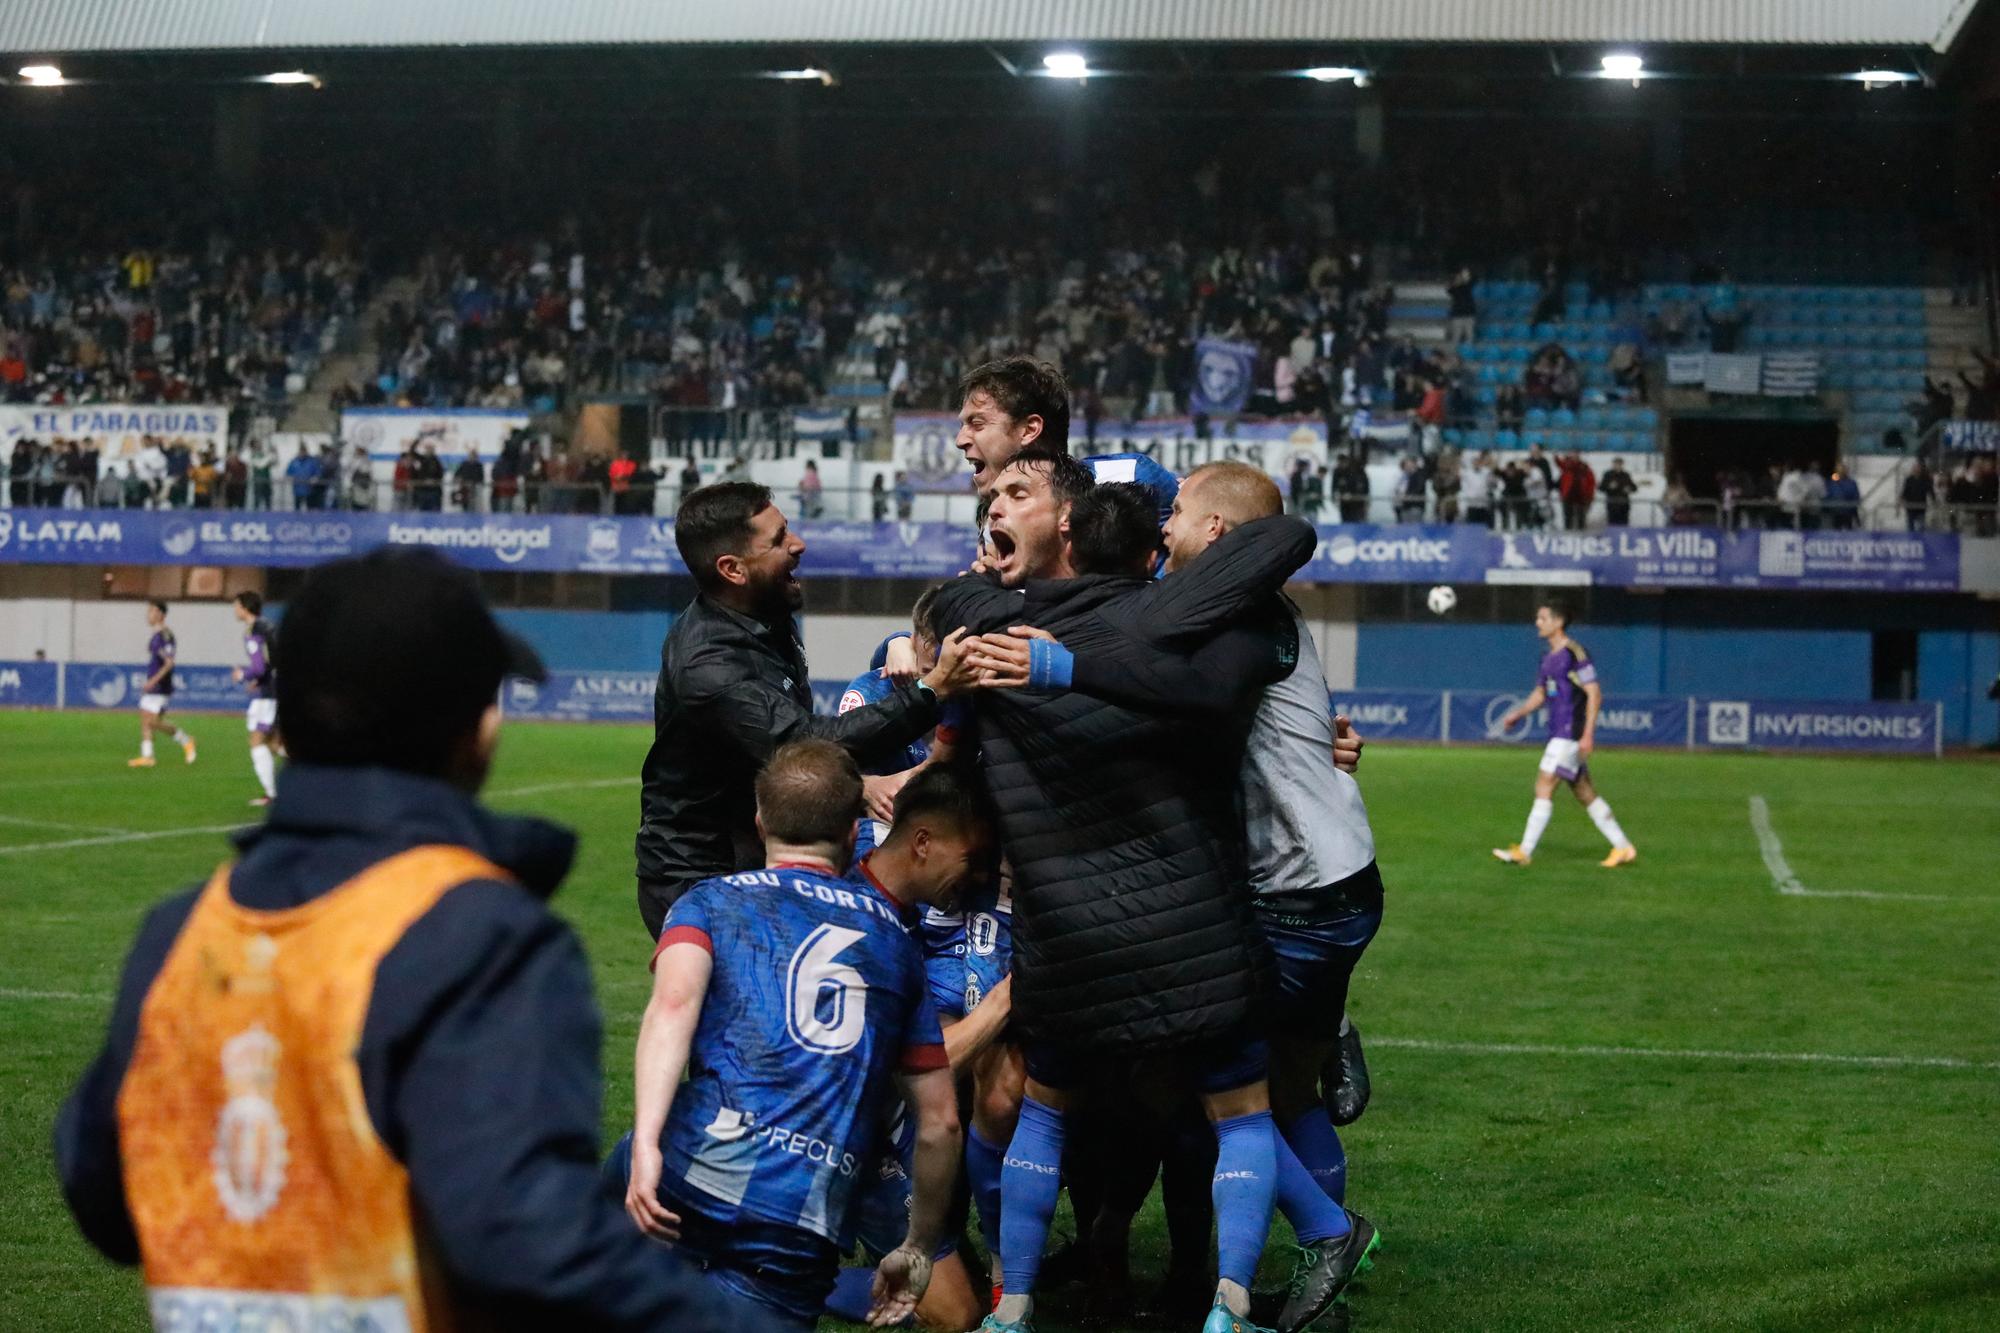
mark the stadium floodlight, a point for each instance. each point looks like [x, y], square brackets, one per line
[42, 76]
[810, 74]
[290, 76]
[1337, 74]
[1066, 65]
[1875, 78]
[1623, 65]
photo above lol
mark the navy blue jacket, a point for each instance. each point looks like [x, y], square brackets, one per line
[479, 1061]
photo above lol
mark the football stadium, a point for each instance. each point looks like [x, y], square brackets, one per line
[1241, 666]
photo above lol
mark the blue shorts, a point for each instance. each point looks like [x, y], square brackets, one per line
[1316, 939]
[784, 1272]
[879, 1212]
[941, 940]
[1220, 1064]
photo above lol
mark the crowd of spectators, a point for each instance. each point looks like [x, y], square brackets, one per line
[215, 324]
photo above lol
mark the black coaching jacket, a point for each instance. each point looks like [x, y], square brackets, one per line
[1132, 926]
[732, 690]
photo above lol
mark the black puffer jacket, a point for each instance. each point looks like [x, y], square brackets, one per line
[1131, 921]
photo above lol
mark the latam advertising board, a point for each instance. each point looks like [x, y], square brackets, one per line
[29, 684]
[1474, 715]
[1346, 553]
[582, 696]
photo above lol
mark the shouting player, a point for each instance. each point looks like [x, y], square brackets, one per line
[259, 676]
[1567, 683]
[157, 694]
[790, 996]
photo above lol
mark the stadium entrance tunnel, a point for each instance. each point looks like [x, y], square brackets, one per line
[1703, 447]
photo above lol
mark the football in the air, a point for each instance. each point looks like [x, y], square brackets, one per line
[1441, 599]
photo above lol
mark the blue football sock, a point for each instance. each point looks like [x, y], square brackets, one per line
[1246, 1172]
[852, 1295]
[1311, 1211]
[1317, 1143]
[983, 1160]
[1030, 1182]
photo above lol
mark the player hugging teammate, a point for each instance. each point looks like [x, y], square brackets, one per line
[1063, 924]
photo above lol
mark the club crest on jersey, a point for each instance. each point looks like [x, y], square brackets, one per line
[249, 1157]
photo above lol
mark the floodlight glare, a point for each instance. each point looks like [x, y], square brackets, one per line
[1871, 78]
[290, 76]
[810, 74]
[42, 76]
[1066, 65]
[1623, 65]
[1335, 73]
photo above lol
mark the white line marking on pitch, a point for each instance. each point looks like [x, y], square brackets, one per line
[10, 993]
[566, 786]
[118, 838]
[1650, 1052]
[1788, 883]
[114, 838]
[18, 822]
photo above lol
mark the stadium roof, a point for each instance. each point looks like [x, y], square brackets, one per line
[53, 27]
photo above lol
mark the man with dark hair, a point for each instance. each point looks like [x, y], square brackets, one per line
[734, 687]
[788, 997]
[382, 949]
[1028, 521]
[1007, 405]
[156, 693]
[1121, 839]
[1114, 529]
[1567, 682]
[259, 676]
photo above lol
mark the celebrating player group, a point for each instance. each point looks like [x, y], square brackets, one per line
[1081, 861]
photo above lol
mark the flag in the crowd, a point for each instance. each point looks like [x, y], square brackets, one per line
[1735, 372]
[1222, 373]
[1791, 374]
[811, 424]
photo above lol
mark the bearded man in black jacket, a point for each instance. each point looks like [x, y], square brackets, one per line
[1131, 932]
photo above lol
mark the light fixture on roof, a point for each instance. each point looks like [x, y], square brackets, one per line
[1623, 65]
[287, 77]
[810, 74]
[1875, 78]
[1337, 74]
[1066, 65]
[42, 76]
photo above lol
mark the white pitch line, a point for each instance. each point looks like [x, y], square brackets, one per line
[1788, 883]
[18, 822]
[11, 993]
[115, 838]
[1657, 1053]
[112, 839]
[566, 786]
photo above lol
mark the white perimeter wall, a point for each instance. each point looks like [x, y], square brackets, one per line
[207, 632]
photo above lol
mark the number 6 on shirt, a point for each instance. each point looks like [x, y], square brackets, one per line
[815, 983]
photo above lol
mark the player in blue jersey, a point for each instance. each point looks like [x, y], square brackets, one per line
[156, 694]
[259, 675]
[794, 1000]
[929, 809]
[1567, 683]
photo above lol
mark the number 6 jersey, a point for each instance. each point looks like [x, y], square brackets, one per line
[816, 1001]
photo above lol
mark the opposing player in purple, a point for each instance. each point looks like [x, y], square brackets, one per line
[156, 694]
[1567, 683]
[259, 675]
[793, 999]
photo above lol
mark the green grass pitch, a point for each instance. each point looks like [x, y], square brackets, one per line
[1663, 1097]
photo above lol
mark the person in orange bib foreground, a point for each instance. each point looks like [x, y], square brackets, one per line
[353, 1082]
